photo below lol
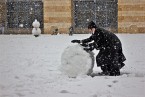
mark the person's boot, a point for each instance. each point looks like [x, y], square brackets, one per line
[115, 72]
[104, 73]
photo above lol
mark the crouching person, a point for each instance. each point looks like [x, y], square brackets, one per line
[110, 57]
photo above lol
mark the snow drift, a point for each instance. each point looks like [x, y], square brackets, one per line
[76, 61]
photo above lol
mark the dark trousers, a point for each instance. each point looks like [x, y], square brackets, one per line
[112, 70]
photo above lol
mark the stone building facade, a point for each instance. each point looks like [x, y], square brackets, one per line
[131, 16]
[57, 13]
[119, 16]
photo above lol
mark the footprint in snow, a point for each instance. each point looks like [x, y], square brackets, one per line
[139, 75]
[95, 95]
[109, 85]
[64, 91]
[115, 81]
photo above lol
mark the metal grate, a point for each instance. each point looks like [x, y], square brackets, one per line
[103, 12]
[21, 14]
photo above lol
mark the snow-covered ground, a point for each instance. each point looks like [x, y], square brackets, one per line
[29, 67]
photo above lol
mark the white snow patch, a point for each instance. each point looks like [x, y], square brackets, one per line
[29, 67]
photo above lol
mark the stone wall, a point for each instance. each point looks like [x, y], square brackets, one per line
[57, 13]
[2, 11]
[131, 16]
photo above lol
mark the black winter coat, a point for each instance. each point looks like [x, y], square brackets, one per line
[109, 45]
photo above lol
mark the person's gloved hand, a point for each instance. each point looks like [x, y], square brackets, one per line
[84, 44]
[76, 41]
[87, 49]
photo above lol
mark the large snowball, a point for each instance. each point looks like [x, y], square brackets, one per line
[76, 61]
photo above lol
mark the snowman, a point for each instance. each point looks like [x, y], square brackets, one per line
[36, 31]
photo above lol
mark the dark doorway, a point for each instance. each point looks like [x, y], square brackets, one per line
[21, 14]
[103, 12]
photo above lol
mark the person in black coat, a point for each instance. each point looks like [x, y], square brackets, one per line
[110, 57]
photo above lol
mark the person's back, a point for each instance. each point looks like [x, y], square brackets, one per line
[108, 38]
